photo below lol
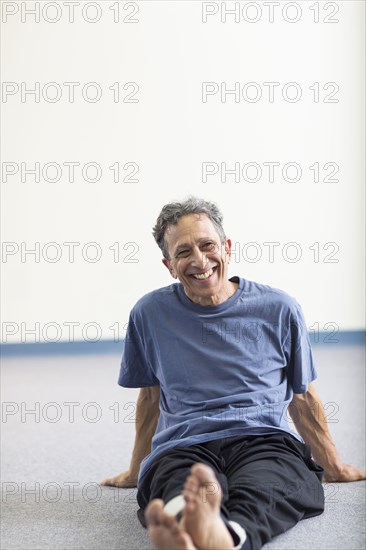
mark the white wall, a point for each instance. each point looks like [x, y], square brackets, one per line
[169, 133]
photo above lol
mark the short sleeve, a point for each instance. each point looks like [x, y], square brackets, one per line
[301, 368]
[136, 371]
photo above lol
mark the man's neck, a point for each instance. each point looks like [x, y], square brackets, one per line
[215, 300]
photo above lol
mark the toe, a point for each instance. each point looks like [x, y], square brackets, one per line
[191, 482]
[189, 496]
[209, 487]
[169, 521]
[204, 473]
[154, 512]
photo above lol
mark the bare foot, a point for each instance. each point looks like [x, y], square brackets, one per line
[201, 515]
[164, 531]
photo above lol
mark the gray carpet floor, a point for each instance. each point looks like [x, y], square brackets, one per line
[53, 460]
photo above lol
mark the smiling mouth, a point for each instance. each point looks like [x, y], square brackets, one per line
[203, 276]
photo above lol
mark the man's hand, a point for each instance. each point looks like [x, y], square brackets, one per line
[123, 480]
[307, 412]
[347, 472]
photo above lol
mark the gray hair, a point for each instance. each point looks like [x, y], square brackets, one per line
[172, 211]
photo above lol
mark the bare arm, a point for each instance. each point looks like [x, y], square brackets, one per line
[307, 412]
[147, 416]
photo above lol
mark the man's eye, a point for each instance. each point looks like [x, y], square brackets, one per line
[183, 254]
[208, 246]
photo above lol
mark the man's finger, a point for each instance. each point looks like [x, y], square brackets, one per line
[111, 481]
[353, 474]
[349, 473]
[106, 481]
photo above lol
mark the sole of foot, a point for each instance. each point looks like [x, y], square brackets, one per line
[201, 515]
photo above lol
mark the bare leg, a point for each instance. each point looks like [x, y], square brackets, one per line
[164, 531]
[201, 515]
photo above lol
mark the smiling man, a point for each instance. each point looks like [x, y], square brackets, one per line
[219, 362]
[199, 258]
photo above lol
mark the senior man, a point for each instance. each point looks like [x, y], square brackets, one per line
[220, 362]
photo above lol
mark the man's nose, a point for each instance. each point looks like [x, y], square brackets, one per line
[199, 258]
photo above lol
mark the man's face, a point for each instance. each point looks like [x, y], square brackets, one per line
[197, 257]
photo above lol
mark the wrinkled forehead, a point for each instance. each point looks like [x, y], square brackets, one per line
[191, 228]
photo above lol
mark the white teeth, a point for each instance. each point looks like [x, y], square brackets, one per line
[203, 275]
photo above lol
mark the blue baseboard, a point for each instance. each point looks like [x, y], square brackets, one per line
[62, 348]
[342, 338]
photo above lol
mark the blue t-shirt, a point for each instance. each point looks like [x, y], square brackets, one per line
[224, 370]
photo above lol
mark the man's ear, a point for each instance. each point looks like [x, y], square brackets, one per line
[169, 267]
[228, 245]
